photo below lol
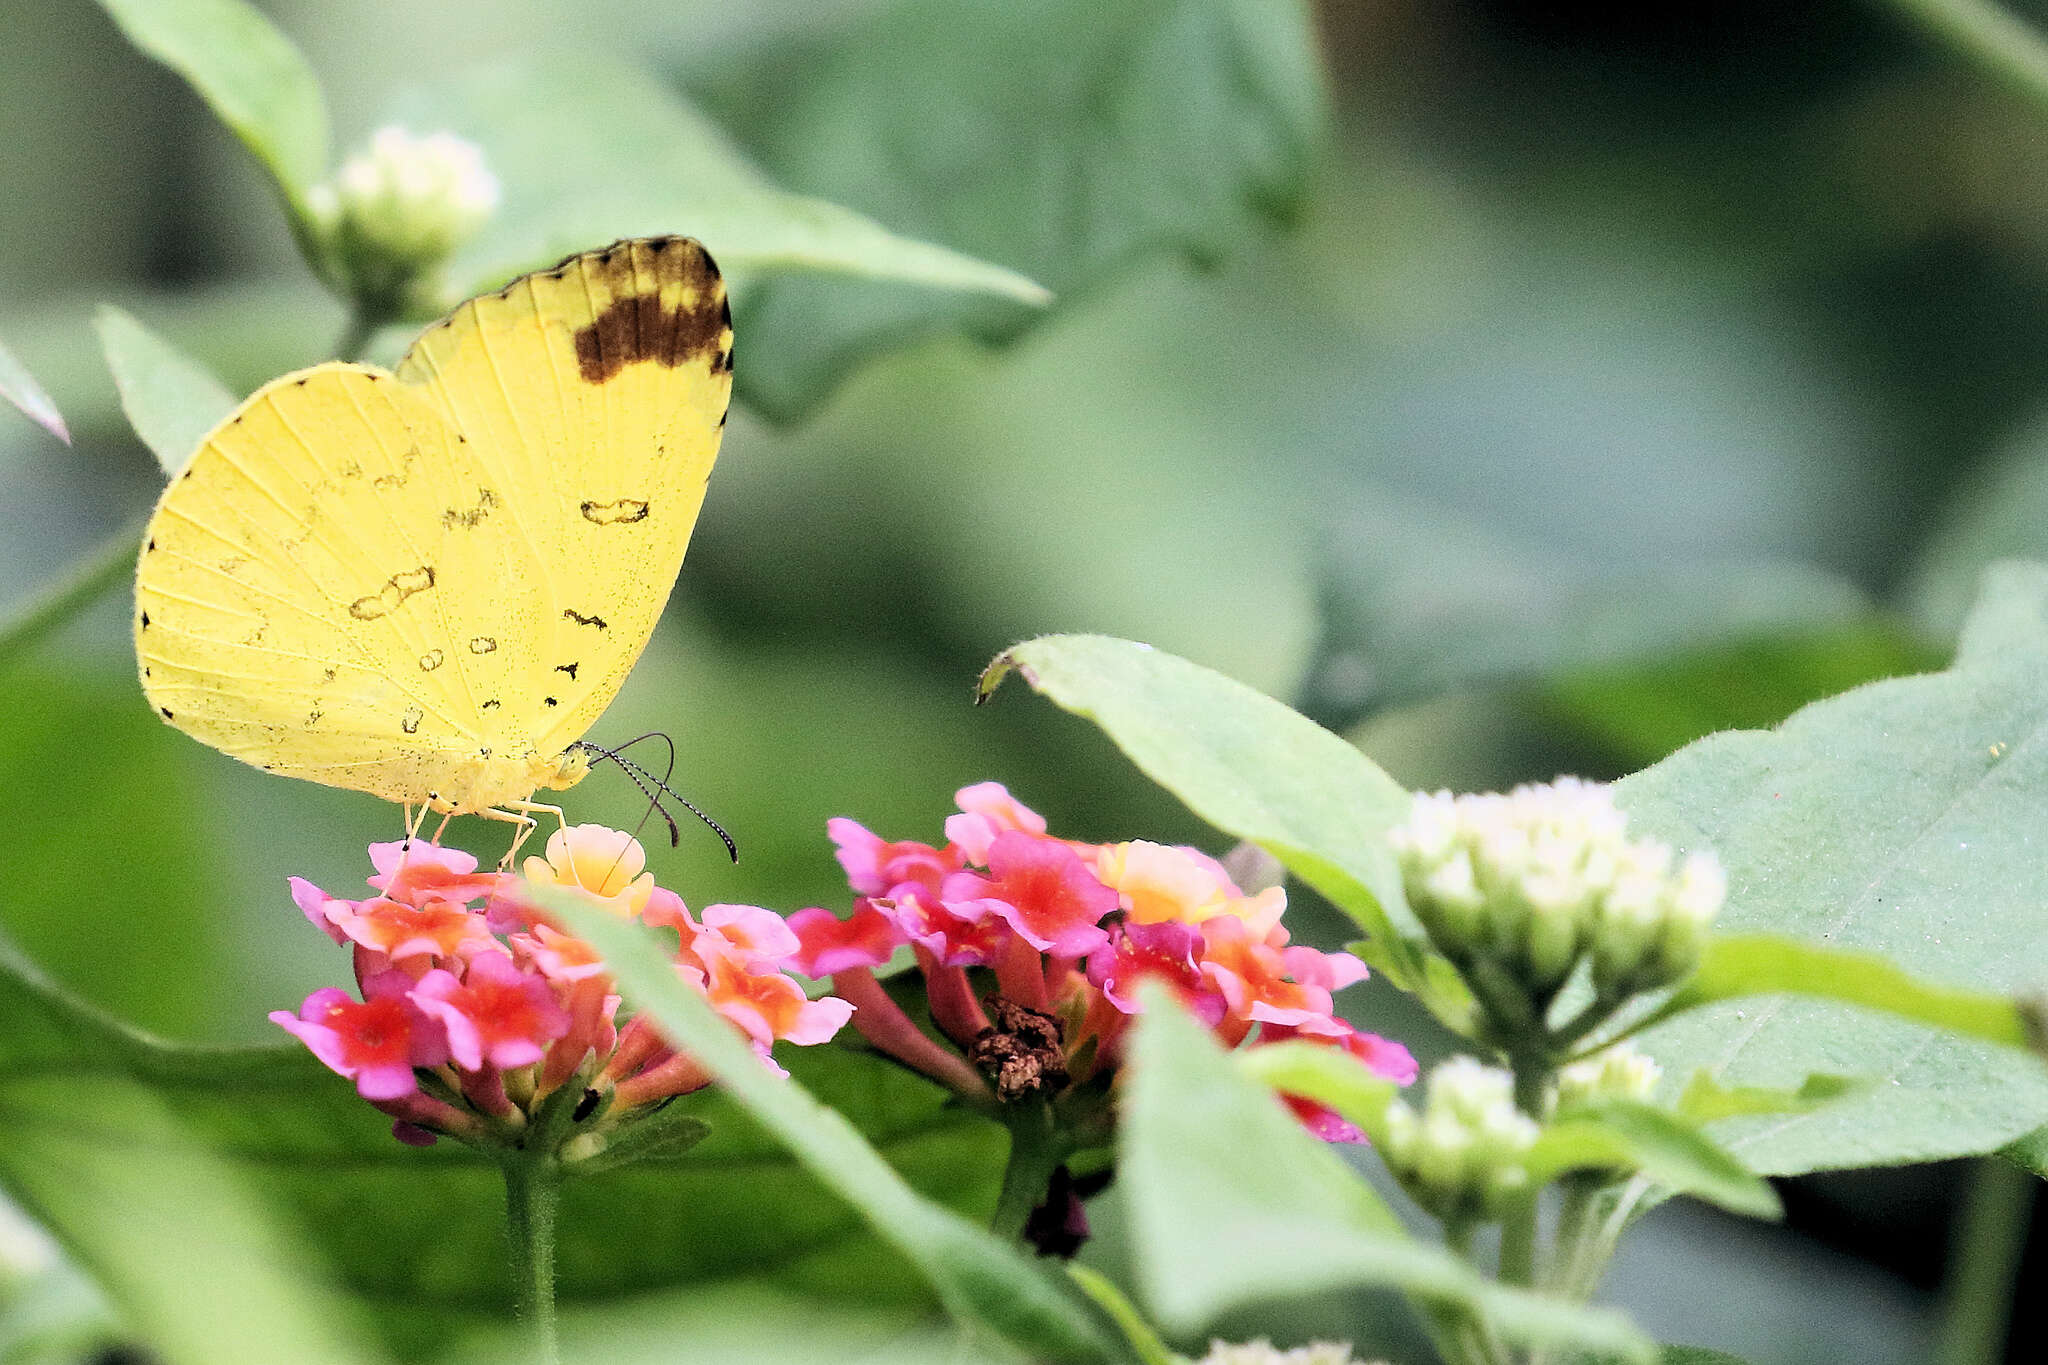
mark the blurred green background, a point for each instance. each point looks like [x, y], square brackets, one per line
[1607, 377]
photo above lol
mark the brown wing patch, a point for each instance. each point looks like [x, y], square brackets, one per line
[681, 318]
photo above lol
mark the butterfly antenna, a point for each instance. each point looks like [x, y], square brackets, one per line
[732, 850]
[644, 780]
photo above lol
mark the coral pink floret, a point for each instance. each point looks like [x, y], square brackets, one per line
[412, 870]
[496, 1013]
[876, 867]
[829, 944]
[1040, 888]
[761, 936]
[376, 1042]
[986, 810]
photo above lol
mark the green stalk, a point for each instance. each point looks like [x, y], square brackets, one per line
[533, 1190]
[1036, 1151]
[1976, 1308]
[1518, 1241]
[81, 584]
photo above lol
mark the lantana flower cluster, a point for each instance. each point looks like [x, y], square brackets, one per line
[1519, 890]
[1033, 948]
[472, 1008]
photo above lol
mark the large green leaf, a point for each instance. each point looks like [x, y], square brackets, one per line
[1083, 135]
[248, 72]
[983, 1279]
[1232, 1202]
[1247, 765]
[418, 1236]
[587, 149]
[1899, 819]
[142, 1201]
[171, 399]
[19, 387]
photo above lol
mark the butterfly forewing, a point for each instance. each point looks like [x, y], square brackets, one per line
[600, 387]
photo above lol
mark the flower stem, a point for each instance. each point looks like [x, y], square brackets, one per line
[1990, 1238]
[1518, 1241]
[1035, 1153]
[533, 1188]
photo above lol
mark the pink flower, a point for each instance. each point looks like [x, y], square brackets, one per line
[495, 1013]
[1251, 974]
[414, 871]
[986, 810]
[760, 936]
[876, 867]
[960, 935]
[766, 1005]
[376, 1042]
[1165, 952]
[1041, 889]
[558, 956]
[313, 903]
[828, 944]
[436, 928]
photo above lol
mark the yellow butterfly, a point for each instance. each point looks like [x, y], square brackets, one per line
[427, 583]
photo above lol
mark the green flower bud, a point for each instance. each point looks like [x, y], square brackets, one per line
[393, 215]
[1462, 1156]
[1522, 888]
[1617, 1073]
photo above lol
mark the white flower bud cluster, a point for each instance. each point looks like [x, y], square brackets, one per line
[1617, 1073]
[1264, 1352]
[1461, 1157]
[394, 213]
[1546, 875]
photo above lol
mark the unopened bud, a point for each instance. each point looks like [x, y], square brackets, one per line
[1530, 884]
[1462, 1155]
[392, 215]
[1618, 1073]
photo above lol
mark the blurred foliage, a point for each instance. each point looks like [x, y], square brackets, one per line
[1576, 383]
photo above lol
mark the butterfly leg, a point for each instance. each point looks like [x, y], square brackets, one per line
[521, 813]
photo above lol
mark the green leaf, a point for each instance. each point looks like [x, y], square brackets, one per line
[107, 1167]
[587, 149]
[1232, 1202]
[418, 1235]
[1145, 1342]
[1739, 965]
[1331, 1078]
[1656, 1142]
[1705, 1099]
[982, 1279]
[19, 387]
[249, 73]
[1085, 135]
[171, 399]
[1898, 819]
[1247, 765]
[1416, 606]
